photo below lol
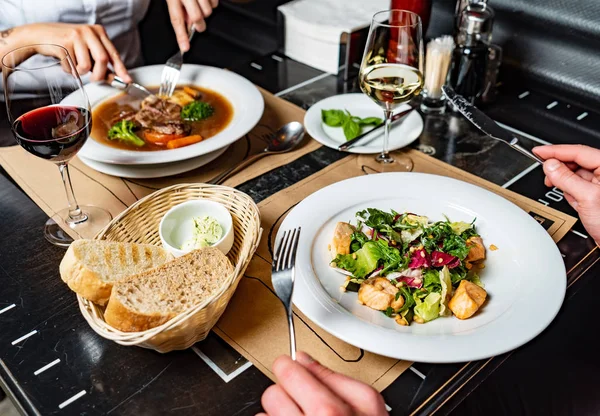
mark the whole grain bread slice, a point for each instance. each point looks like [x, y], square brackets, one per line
[153, 297]
[91, 267]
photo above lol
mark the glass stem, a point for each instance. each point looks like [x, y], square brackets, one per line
[384, 157]
[75, 214]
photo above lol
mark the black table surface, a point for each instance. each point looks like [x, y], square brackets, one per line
[557, 373]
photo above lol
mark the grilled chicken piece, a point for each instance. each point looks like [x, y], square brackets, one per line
[379, 293]
[477, 249]
[342, 237]
[467, 299]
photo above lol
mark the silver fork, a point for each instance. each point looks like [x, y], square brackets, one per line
[283, 276]
[172, 69]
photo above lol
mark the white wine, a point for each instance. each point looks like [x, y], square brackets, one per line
[391, 84]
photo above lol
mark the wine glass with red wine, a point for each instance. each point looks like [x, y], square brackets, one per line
[51, 118]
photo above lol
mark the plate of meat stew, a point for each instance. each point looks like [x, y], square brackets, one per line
[210, 109]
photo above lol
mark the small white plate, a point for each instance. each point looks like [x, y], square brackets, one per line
[525, 278]
[402, 133]
[158, 170]
[247, 102]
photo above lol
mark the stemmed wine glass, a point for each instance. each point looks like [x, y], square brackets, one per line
[51, 118]
[391, 72]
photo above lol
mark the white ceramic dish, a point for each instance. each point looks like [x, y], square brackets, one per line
[158, 170]
[525, 278]
[360, 105]
[176, 227]
[247, 102]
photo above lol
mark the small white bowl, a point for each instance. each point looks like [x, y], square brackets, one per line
[177, 226]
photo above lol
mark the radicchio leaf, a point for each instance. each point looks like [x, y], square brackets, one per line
[368, 231]
[419, 259]
[414, 282]
[375, 272]
[439, 259]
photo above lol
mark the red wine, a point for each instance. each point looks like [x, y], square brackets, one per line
[54, 132]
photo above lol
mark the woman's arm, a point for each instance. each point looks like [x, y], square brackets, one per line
[13, 38]
[88, 45]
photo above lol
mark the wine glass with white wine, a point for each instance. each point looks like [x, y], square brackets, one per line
[391, 72]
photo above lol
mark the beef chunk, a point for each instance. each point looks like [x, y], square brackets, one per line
[128, 115]
[157, 111]
[173, 127]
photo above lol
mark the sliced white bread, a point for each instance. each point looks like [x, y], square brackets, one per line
[153, 297]
[91, 267]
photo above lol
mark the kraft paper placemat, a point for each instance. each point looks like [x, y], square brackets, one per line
[40, 178]
[255, 323]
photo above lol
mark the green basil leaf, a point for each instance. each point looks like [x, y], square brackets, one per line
[374, 121]
[351, 129]
[333, 118]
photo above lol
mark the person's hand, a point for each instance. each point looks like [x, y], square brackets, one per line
[575, 170]
[185, 13]
[305, 387]
[89, 47]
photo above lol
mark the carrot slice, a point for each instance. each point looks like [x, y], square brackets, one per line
[184, 141]
[160, 138]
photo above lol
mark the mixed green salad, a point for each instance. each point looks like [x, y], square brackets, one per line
[409, 267]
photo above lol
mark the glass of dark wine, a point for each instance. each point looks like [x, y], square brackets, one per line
[51, 118]
[391, 71]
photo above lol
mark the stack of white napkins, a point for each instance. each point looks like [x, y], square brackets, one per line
[313, 28]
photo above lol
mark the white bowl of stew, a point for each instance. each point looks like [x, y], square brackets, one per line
[237, 104]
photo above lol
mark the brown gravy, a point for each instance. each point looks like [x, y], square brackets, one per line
[104, 114]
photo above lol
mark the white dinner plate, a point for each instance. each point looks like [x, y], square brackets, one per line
[525, 278]
[157, 170]
[247, 102]
[402, 133]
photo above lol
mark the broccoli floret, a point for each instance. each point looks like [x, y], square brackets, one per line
[197, 110]
[123, 131]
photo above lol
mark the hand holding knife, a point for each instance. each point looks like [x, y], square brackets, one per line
[485, 124]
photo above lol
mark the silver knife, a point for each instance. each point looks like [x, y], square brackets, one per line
[130, 88]
[486, 124]
[350, 143]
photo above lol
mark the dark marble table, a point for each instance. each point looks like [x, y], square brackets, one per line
[66, 368]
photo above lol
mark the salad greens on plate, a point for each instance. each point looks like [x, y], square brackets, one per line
[410, 268]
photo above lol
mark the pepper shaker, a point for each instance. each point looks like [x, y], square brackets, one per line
[475, 61]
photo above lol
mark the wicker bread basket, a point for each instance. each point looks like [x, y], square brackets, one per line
[139, 224]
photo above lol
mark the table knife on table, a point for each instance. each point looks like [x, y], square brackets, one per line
[395, 117]
[485, 124]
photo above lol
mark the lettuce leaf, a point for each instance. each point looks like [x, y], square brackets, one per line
[362, 262]
[428, 309]
[446, 294]
[431, 281]
[460, 227]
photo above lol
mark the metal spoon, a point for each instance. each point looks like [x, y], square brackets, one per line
[284, 140]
